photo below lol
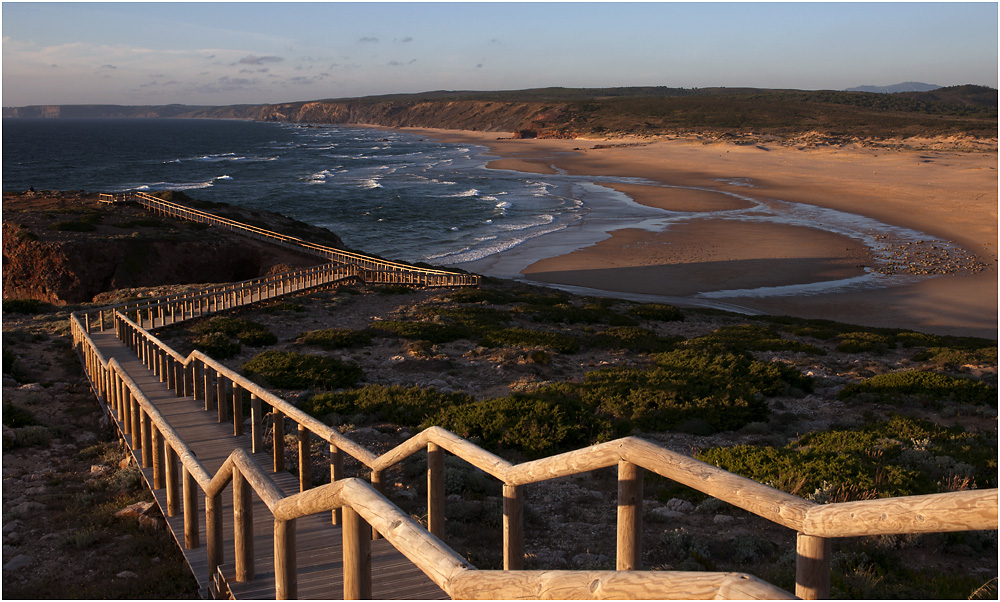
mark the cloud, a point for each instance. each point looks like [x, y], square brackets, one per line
[258, 60]
[479, 66]
[399, 64]
[368, 40]
[108, 67]
[405, 40]
[227, 84]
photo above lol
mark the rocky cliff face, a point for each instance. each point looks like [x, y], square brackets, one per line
[125, 249]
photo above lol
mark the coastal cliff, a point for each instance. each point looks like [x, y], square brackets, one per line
[63, 247]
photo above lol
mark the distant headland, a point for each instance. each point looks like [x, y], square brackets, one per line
[966, 110]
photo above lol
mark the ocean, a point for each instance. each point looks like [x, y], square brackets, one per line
[395, 194]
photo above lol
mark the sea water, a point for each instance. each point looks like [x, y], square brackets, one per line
[395, 194]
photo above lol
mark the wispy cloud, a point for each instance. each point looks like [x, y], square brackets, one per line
[405, 40]
[368, 40]
[259, 60]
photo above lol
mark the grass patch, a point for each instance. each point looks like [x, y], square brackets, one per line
[247, 332]
[631, 338]
[289, 370]
[524, 337]
[25, 306]
[423, 331]
[743, 338]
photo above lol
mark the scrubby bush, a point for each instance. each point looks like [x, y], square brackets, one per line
[530, 423]
[930, 388]
[216, 345]
[409, 406]
[902, 456]
[480, 295]
[289, 370]
[749, 337]
[656, 311]
[23, 306]
[567, 313]
[524, 337]
[248, 332]
[631, 338]
[424, 331]
[336, 338]
[859, 342]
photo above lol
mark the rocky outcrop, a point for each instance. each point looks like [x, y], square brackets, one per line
[125, 249]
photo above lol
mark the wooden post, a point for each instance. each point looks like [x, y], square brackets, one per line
[213, 532]
[435, 490]
[220, 396]
[256, 424]
[243, 527]
[197, 386]
[209, 387]
[336, 473]
[190, 511]
[173, 482]
[357, 557]
[513, 527]
[278, 439]
[127, 412]
[147, 441]
[137, 427]
[285, 574]
[629, 516]
[157, 458]
[305, 459]
[812, 567]
[380, 487]
[237, 410]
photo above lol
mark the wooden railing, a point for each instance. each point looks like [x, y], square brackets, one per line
[353, 503]
[378, 271]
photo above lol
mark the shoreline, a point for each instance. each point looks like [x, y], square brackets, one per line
[946, 195]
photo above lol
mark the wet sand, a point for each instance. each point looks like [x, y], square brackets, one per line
[948, 195]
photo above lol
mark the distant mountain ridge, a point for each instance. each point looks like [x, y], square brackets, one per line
[903, 87]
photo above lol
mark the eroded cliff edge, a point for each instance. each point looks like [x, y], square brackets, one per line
[65, 247]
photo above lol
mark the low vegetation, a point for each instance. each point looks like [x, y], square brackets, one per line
[290, 370]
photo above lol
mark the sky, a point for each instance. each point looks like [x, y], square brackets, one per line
[204, 53]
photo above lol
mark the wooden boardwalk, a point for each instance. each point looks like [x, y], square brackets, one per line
[318, 542]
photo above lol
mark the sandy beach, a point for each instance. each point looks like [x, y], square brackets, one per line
[730, 252]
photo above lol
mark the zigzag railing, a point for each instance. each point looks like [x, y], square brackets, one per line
[221, 388]
[378, 271]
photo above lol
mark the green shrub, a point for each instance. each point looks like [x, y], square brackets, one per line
[424, 331]
[249, 333]
[901, 456]
[216, 345]
[475, 318]
[749, 337]
[860, 342]
[930, 388]
[336, 338]
[951, 358]
[394, 289]
[529, 423]
[289, 370]
[638, 340]
[16, 416]
[656, 311]
[282, 306]
[23, 306]
[479, 295]
[523, 337]
[72, 226]
[409, 406]
[566, 313]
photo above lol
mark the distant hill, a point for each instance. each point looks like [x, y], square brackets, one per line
[903, 87]
[655, 110]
